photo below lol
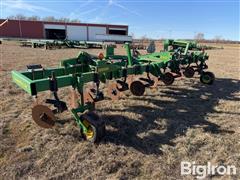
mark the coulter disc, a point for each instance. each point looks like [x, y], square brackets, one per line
[167, 78]
[137, 88]
[189, 72]
[43, 116]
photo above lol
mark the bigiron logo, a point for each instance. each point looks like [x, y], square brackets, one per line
[202, 171]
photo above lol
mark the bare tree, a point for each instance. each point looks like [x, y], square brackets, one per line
[144, 38]
[20, 17]
[63, 20]
[75, 20]
[49, 18]
[11, 17]
[133, 35]
[17, 17]
[33, 18]
[218, 38]
[199, 36]
[37, 18]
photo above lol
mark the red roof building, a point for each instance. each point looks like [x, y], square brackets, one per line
[61, 30]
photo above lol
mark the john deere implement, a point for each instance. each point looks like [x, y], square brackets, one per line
[182, 58]
[83, 75]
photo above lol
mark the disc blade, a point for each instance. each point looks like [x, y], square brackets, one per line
[43, 116]
[137, 88]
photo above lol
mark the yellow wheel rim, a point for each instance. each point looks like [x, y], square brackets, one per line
[90, 133]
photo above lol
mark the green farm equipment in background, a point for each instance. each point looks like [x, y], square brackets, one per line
[42, 43]
[84, 74]
[58, 44]
[183, 58]
[193, 45]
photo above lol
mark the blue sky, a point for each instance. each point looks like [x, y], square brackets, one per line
[155, 19]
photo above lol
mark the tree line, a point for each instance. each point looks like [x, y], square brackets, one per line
[47, 18]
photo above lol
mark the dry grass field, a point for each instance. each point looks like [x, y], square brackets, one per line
[147, 137]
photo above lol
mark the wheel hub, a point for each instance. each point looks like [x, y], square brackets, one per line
[89, 134]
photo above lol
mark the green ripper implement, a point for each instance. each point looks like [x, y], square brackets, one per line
[84, 74]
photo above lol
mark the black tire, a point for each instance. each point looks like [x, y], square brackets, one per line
[101, 124]
[189, 72]
[137, 88]
[167, 78]
[95, 125]
[207, 78]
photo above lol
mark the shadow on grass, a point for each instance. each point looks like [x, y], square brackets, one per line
[189, 110]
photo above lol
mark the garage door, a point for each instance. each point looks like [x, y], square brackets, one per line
[93, 31]
[77, 33]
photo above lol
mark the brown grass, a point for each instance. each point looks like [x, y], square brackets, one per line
[147, 137]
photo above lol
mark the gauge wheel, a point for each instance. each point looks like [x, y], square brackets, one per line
[95, 127]
[189, 72]
[167, 78]
[207, 78]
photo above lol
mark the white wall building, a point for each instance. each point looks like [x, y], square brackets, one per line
[86, 32]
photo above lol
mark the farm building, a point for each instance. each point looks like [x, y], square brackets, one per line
[62, 30]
